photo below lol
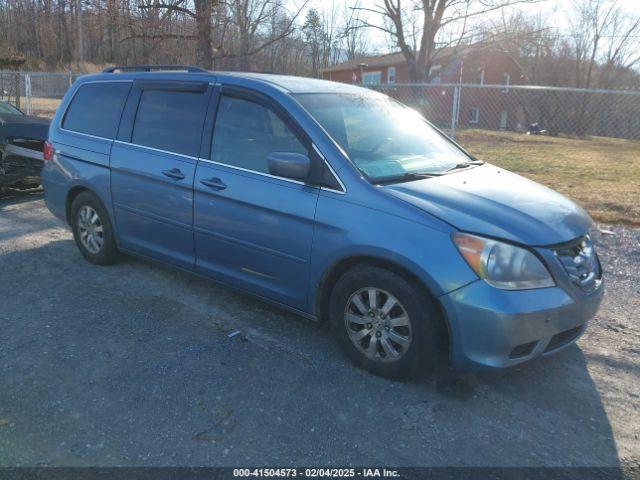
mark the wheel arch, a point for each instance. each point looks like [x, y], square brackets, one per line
[338, 268]
[94, 190]
[71, 196]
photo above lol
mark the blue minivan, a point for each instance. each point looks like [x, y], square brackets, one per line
[331, 200]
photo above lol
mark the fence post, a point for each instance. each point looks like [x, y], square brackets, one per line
[70, 78]
[17, 88]
[27, 92]
[454, 112]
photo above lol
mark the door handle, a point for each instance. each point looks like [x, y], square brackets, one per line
[214, 183]
[173, 173]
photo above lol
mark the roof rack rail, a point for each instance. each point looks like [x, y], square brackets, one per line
[151, 68]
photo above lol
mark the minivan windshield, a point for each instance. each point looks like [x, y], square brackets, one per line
[384, 139]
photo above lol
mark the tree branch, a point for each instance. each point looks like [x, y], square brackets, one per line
[169, 7]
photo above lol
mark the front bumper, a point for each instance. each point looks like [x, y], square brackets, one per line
[500, 328]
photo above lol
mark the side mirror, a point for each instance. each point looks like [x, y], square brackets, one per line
[289, 165]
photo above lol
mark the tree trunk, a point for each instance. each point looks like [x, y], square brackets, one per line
[204, 53]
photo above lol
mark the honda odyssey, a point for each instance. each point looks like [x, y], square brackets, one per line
[330, 200]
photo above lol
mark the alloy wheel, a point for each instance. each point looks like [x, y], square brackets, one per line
[90, 229]
[378, 325]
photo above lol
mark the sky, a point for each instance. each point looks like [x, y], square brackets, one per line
[556, 10]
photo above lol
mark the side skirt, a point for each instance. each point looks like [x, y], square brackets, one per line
[242, 291]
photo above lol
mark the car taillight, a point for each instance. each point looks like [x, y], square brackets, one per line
[47, 151]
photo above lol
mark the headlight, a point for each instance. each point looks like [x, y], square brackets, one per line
[502, 265]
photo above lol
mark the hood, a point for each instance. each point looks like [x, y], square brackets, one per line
[494, 202]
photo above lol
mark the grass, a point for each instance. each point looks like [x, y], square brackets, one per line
[43, 107]
[601, 174]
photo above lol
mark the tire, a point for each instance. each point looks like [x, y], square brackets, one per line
[424, 328]
[101, 250]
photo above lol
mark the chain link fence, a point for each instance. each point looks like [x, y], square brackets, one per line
[536, 110]
[528, 109]
[37, 93]
[10, 86]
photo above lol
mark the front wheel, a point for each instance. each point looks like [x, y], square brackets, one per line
[385, 323]
[92, 230]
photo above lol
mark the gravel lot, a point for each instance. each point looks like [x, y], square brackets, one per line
[132, 365]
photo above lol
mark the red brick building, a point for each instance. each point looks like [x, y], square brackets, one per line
[480, 108]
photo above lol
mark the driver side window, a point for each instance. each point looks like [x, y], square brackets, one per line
[245, 132]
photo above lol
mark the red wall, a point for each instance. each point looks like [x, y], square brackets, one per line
[494, 64]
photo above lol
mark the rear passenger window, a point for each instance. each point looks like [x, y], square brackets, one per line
[170, 120]
[246, 133]
[96, 108]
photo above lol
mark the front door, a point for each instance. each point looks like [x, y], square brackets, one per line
[252, 229]
[153, 163]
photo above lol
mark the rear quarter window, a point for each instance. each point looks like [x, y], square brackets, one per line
[96, 109]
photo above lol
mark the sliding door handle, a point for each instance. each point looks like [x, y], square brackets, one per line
[173, 173]
[214, 183]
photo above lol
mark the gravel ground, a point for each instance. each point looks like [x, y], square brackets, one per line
[132, 365]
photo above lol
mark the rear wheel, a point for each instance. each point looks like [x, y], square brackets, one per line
[385, 323]
[92, 230]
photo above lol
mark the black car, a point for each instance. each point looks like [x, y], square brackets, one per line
[22, 139]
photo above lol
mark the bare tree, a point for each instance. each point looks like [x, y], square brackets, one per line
[600, 50]
[419, 27]
[530, 42]
[314, 35]
[603, 33]
[249, 18]
[353, 37]
[201, 13]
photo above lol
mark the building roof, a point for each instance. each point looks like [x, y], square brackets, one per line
[387, 60]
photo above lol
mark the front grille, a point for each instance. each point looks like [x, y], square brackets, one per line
[523, 350]
[562, 338]
[581, 263]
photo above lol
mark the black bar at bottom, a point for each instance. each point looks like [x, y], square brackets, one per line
[404, 473]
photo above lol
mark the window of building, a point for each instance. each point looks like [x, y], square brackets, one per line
[434, 74]
[170, 120]
[506, 80]
[96, 108]
[246, 132]
[391, 75]
[372, 78]
[474, 115]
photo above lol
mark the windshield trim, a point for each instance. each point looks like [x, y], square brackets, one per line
[415, 176]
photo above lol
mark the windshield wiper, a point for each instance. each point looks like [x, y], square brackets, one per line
[406, 177]
[411, 176]
[462, 165]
